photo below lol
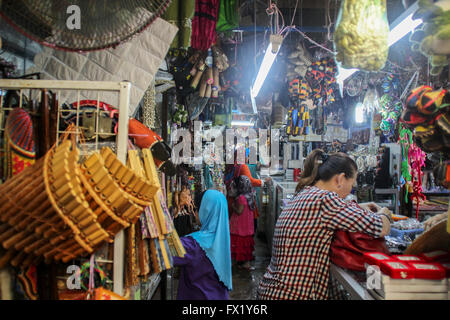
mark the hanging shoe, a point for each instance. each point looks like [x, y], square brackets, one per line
[296, 122]
[415, 96]
[413, 119]
[289, 122]
[428, 138]
[434, 101]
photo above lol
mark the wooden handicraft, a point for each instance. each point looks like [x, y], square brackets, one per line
[64, 207]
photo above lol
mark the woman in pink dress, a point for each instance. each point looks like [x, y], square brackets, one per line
[242, 223]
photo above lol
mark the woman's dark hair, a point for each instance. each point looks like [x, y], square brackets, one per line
[198, 199]
[320, 166]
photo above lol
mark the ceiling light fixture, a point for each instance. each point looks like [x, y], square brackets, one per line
[269, 58]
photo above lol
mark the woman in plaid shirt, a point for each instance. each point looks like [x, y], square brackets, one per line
[299, 267]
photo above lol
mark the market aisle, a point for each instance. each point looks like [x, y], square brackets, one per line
[245, 283]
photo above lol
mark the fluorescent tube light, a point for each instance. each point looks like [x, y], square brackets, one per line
[269, 58]
[399, 28]
[264, 69]
[402, 29]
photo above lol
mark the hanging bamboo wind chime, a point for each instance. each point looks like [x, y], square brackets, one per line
[62, 207]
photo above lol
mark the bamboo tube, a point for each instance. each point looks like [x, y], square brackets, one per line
[6, 258]
[68, 197]
[85, 222]
[108, 157]
[102, 219]
[15, 238]
[60, 181]
[25, 242]
[47, 215]
[65, 235]
[91, 161]
[140, 185]
[108, 191]
[13, 181]
[132, 214]
[115, 166]
[114, 197]
[7, 234]
[97, 234]
[63, 190]
[121, 173]
[71, 206]
[35, 245]
[37, 202]
[198, 75]
[58, 168]
[83, 244]
[98, 212]
[18, 190]
[42, 228]
[59, 156]
[105, 152]
[127, 178]
[99, 175]
[24, 223]
[134, 181]
[91, 229]
[43, 249]
[102, 184]
[118, 204]
[92, 170]
[69, 244]
[30, 209]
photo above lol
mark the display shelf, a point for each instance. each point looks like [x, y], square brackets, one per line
[348, 280]
[391, 191]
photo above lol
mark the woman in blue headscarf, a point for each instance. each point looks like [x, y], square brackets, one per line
[205, 270]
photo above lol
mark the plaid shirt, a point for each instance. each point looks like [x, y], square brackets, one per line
[299, 267]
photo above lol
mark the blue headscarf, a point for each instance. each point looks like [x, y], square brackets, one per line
[214, 235]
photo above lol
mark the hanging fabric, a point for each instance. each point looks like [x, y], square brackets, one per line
[228, 16]
[19, 142]
[204, 24]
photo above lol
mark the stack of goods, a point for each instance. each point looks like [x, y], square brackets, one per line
[312, 88]
[410, 277]
[432, 39]
[427, 112]
[403, 233]
[206, 71]
[298, 62]
[361, 35]
[60, 209]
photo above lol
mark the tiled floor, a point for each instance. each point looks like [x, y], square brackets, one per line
[245, 283]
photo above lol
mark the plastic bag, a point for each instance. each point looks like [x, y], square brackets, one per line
[361, 36]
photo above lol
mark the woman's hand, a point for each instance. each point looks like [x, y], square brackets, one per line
[370, 206]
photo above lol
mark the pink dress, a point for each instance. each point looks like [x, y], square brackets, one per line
[242, 230]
